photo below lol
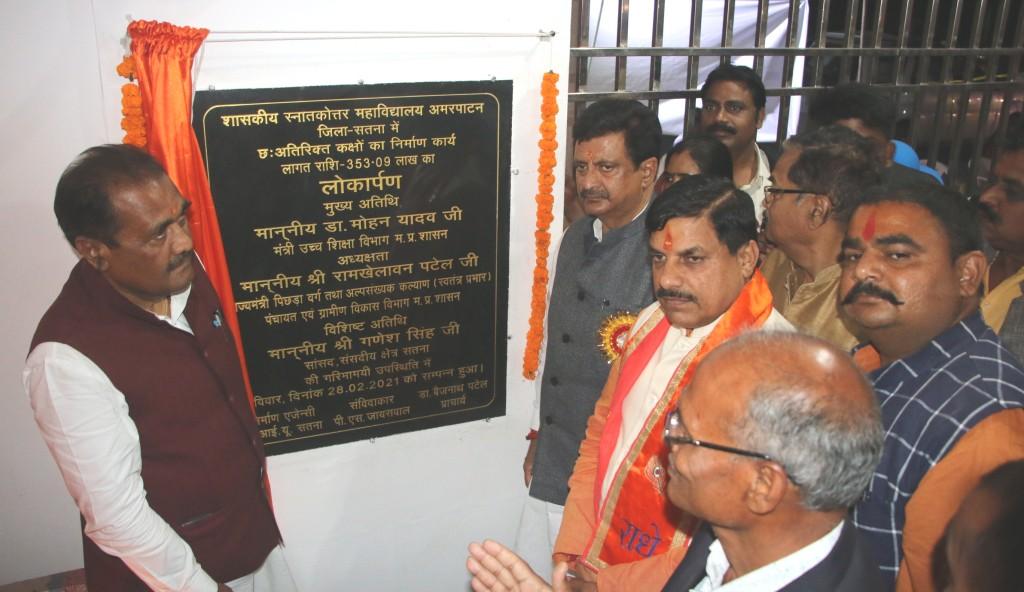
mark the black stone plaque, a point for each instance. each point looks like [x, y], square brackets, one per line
[366, 231]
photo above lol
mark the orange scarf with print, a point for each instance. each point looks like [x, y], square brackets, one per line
[636, 521]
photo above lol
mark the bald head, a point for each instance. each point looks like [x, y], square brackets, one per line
[802, 402]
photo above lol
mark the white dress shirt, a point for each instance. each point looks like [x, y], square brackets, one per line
[755, 188]
[85, 422]
[770, 577]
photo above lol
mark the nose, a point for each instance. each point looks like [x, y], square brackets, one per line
[990, 196]
[868, 267]
[668, 277]
[586, 179]
[181, 237]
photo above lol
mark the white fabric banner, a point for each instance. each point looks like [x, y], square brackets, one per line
[603, 23]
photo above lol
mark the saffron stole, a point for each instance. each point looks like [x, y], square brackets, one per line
[636, 520]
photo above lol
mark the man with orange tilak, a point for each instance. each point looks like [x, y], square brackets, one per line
[619, 530]
[952, 397]
[600, 283]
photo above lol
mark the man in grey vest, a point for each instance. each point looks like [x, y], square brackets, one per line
[601, 281]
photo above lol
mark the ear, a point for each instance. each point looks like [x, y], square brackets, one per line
[890, 150]
[767, 488]
[649, 170]
[93, 251]
[760, 116]
[747, 256]
[820, 209]
[970, 268]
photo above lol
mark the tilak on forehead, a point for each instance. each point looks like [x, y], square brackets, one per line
[868, 232]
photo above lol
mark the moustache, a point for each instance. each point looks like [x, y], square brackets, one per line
[594, 194]
[988, 212]
[675, 294]
[721, 127]
[870, 290]
[179, 260]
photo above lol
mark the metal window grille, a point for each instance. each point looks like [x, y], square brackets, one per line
[952, 66]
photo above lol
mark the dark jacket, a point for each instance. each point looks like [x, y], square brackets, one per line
[593, 281]
[849, 567]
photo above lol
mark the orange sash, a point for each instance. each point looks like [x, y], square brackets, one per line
[635, 521]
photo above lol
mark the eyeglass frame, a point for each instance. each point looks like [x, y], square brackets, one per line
[674, 420]
[772, 193]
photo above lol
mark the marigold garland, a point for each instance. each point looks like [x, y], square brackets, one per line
[545, 201]
[134, 121]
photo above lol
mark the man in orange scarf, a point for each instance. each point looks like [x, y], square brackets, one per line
[619, 529]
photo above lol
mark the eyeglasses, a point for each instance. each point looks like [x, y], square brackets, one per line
[772, 193]
[673, 423]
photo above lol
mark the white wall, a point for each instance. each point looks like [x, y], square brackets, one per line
[393, 514]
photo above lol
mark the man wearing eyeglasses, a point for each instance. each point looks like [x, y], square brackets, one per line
[776, 436]
[618, 527]
[952, 397]
[732, 110]
[1002, 222]
[815, 185]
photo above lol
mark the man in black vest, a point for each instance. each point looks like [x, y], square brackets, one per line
[774, 438]
[601, 280]
[138, 392]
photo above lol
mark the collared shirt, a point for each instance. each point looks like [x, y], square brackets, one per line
[997, 300]
[755, 188]
[1003, 309]
[931, 402]
[85, 422]
[810, 306]
[769, 577]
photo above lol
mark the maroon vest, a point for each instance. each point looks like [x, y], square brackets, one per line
[202, 457]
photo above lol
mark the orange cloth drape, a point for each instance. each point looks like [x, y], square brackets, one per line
[163, 62]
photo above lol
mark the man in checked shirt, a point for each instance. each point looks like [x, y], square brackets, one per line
[951, 395]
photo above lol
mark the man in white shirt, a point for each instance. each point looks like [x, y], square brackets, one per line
[776, 435]
[138, 393]
[732, 110]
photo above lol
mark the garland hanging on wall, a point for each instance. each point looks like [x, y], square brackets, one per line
[545, 202]
[133, 121]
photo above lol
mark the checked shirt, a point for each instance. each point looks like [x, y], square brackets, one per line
[929, 400]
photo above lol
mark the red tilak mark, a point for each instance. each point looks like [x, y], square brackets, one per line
[666, 245]
[869, 229]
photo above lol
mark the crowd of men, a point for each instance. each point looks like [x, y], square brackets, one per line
[829, 367]
[808, 375]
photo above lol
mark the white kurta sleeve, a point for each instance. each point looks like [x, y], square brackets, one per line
[84, 420]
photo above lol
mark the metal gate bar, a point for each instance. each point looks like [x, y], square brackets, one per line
[953, 113]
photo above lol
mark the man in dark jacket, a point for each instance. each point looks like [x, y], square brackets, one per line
[138, 392]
